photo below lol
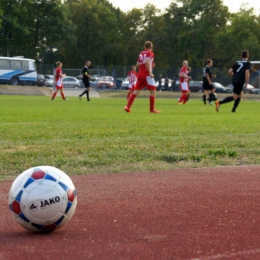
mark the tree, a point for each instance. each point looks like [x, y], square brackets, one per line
[241, 32]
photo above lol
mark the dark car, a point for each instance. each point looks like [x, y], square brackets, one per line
[219, 88]
[106, 82]
[195, 86]
[40, 80]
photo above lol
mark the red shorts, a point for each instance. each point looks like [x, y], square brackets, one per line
[145, 81]
[59, 87]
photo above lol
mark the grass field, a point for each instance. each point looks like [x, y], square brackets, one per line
[99, 137]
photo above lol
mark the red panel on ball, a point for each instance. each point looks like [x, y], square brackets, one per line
[71, 195]
[38, 174]
[16, 207]
[49, 228]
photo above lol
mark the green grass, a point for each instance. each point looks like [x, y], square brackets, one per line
[99, 137]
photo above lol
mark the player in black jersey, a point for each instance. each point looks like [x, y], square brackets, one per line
[240, 73]
[207, 83]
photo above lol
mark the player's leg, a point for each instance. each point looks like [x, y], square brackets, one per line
[62, 94]
[237, 99]
[152, 100]
[54, 94]
[204, 96]
[83, 93]
[140, 84]
[131, 100]
[185, 97]
[88, 90]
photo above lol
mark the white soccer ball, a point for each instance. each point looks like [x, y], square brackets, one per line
[42, 199]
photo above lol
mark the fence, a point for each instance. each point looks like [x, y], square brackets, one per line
[120, 72]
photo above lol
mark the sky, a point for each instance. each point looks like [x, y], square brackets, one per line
[126, 5]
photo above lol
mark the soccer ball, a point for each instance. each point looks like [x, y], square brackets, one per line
[42, 199]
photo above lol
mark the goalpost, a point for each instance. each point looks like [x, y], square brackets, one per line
[255, 74]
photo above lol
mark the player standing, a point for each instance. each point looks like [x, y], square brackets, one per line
[58, 81]
[240, 73]
[207, 83]
[132, 76]
[184, 82]
[145, 77]
[85, 80]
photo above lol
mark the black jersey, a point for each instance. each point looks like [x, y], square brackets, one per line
[85, 73]
[239, 69]
[206, 70]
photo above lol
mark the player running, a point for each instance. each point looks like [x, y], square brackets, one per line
[240, 73]
[132, 77]
[58, 81]
[145, 77]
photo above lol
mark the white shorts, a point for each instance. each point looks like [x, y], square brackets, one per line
[184, 86]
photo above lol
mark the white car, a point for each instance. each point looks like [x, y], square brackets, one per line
[71, 82]
[125, 84]
[49, 79]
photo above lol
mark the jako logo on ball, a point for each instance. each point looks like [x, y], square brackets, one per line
[42, 199]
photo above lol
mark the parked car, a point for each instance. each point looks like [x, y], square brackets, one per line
[219, 88]
[40, 81]
[71, 82]
[195, 86]
[49, 79]
[251, 90]
[119, 82]
[125, 84]
[106, 82]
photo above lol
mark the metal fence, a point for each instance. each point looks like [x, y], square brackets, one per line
[120, 72]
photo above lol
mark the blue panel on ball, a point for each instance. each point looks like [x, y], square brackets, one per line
[59, 221]
[29, 181]
[68, 207]
[65, 187]
[23, 217]
[19, 195]
[49, 177]
[37, 226]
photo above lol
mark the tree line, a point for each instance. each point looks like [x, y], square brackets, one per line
[75, 30]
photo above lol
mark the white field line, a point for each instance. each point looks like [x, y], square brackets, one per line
[228, 255]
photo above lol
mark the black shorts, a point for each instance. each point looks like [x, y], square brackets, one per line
[238, 88]
[207, 87]
[87, 85]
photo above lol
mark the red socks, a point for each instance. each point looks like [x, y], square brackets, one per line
[54, 95]
[183, 99]
[131, 100]
[152, 101]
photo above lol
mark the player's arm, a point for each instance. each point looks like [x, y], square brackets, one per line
[183, 75]
[247, 75]
[87, 75]
[230, 71]
[208, 79]
[148, 65]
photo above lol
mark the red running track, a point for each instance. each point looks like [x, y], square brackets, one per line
[188, 214]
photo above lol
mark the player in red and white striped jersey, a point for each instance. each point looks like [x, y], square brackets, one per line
[58, 81]
[132, 77]
[184, 82]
